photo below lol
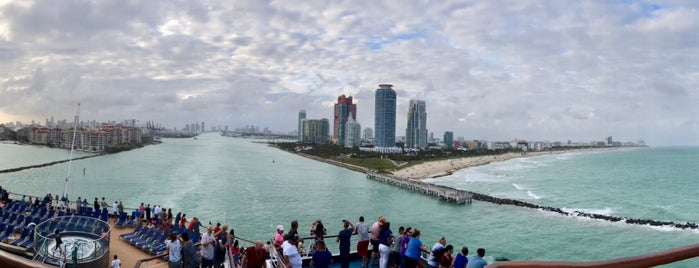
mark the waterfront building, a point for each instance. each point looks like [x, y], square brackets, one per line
[385, 116]
[344, 108]
[416, 132]
[302, 116]
[449, 139]
[367, 134]
[316, 131]
[352, 132]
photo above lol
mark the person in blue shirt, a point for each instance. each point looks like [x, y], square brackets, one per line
[344, 238]
[414, 250]
[321, 256]
[461, 260]
[477, 261]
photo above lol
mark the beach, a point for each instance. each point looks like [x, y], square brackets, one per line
[440, 168]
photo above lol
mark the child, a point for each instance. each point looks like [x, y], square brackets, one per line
[116, 263]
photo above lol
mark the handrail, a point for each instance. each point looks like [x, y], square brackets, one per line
[647, 260]
[164, 255]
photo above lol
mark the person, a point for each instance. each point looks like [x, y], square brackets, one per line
[344, 237]
[183, 220]
[446, 260]
[96, 205]
[254, 256]
[217, 228]
[294, 230]
[394, 258]
[292, 257]
[174, 249]
[207, 248]
[78, 203]
[120, 208]
[477, 261]
[374, 239]
[461, 260]
[222, 243]
[116, 263]
[148, 211]
[404, 243]
[142, 209]
[189, 252]
[157, 212]
[436, 252]
[414, 250]
[104, 204]
[363, 243]
[115, 209]
[279, 236]
[322, 256]
[235, 253]
[59, 241]
[177, 218]
[385, 241]
[319, 232]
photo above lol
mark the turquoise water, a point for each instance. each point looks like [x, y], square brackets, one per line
[253, 188]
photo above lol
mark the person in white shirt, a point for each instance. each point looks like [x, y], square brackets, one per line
[174, 250]
[291, 253]
[116, 263]
[207, 248]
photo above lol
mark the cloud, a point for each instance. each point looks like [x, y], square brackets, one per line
[487, 69]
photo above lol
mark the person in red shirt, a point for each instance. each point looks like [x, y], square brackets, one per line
[255, 256]
[183, 220]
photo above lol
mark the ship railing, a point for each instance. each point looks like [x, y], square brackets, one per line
[647, 260]
[145, 262]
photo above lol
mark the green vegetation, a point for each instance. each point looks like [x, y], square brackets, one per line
[383, 162]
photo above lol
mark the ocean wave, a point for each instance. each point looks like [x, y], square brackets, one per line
[532, 195]
[604, 211]
[518, 187]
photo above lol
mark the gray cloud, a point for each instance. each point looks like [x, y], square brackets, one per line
[487, 69]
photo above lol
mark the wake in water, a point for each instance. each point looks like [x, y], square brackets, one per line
[529, 192]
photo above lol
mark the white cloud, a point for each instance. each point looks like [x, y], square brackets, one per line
[487, 69]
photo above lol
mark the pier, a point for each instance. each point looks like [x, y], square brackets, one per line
[448, 194]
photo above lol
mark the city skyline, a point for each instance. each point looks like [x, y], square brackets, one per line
[491, 70]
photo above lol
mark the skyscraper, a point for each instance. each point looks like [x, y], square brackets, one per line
[343, 109]
[316, 131]
[302, 116]
[449, 139]
[416, 132]
[367, 134]
[385, 116]
[352, 132]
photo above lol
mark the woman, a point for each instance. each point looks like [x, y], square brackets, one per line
[414, 250]
[385, 241]
[446, 260]
[222, 243]
[235, 252]
[174, 249]
[404, 244]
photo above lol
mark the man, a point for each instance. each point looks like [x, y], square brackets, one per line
[194, 225]
[115, 209]
[96, 205]
[189, 252]
[207, 248]
[363, 243]
[116, 263]
[104, 204]
[157, 211]
[255, 255]
[148, 210]
[344, 238]
[322, 256]
[436, 253]
[292, 257]
[395, 247]
[477, 261]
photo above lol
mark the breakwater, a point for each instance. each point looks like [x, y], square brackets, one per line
[458, 196]
[9, 170]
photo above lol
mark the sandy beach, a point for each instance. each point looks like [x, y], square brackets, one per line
[440, 168]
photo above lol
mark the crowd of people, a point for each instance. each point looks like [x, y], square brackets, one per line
[403, 249]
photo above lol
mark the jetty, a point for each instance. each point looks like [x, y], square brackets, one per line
[448, 194]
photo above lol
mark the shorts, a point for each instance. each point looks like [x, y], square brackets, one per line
[374, 246]
[363, 248]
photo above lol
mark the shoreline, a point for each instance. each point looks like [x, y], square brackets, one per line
[447, 167]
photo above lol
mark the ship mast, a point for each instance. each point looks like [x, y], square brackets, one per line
[72, 149]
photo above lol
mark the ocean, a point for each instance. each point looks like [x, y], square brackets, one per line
[254, 187]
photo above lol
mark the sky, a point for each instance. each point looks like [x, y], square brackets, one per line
[490, 70]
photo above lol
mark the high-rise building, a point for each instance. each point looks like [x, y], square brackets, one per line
[449, 139]
[316, 131]
[416, 132]
[344, 108]
[302, 116]
[385, 116]
[610, 141]
[367, 134]
[352, 132]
